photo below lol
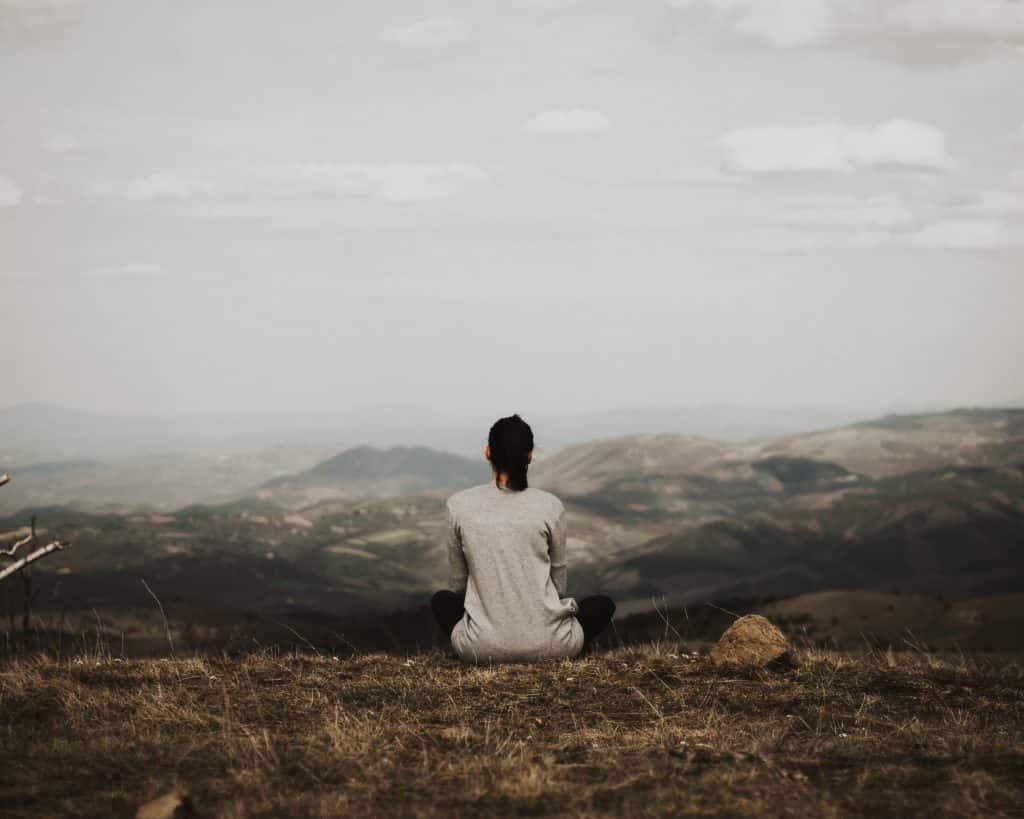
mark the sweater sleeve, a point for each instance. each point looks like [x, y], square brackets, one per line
[458, 571]
[556, 550]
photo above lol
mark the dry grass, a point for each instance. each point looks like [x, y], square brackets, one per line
[640, 731]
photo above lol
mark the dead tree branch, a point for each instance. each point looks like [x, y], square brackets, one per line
[29, 538]
[32, 557]
[10, 552]
[42, 551]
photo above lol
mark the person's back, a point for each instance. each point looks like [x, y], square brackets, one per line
[507, 549]
[507, 565]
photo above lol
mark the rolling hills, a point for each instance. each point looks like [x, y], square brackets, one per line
[931, 505]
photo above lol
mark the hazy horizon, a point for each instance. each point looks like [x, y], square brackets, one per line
[36, 433]
[545, 206]
[523, 408]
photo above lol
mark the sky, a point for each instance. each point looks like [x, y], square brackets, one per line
[487, 207]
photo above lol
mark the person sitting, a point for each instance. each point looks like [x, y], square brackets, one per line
[506, 545]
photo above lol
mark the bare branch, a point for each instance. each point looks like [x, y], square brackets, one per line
[5, 478]
[42, 551]
[10, 552]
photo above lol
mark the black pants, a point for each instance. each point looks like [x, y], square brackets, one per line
[595, 612]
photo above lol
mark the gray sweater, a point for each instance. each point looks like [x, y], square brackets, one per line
[506, 549]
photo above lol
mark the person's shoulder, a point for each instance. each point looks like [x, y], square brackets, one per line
[463, 496]
[553, 502]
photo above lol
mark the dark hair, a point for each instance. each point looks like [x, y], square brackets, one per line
[510, 441]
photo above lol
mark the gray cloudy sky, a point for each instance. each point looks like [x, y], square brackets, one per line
[511, 206]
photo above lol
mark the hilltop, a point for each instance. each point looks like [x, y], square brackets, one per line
[653, 730]
[369, 472]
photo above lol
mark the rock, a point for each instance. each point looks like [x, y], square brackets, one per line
[752, 641]
[174, 805]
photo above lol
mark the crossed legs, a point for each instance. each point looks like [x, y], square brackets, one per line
[594, 615]
[447, 608]
[595, 612]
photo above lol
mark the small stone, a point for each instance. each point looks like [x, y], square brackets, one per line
[174, 805]
[752, 641]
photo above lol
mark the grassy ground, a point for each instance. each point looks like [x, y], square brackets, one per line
[638, 731]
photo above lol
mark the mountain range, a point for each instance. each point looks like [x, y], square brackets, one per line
[926, 504]
[98, 462]
[40, 432]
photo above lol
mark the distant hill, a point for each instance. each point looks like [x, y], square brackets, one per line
[161, 482]
[896, 444]
[369, 472]
[582, 468]
[933, 503]
[886, 446]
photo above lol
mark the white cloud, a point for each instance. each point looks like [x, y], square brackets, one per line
[780, 23]
[390, 182]
[572, 121]
[886, 212]
[994, 203]
[968, 234]
[554, 5]
[774, 241]
[154, 186]
[428, 35]
[62, 144]
[702, 175]
[131, 270]
[10, 194]
[802, 23]
[19, 275]
[994, 19]
[834, 147]
[21, 17]
[918, 218]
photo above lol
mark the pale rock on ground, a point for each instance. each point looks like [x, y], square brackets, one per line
[174, 805]
[752, 641]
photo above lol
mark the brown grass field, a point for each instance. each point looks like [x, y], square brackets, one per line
[638, 731]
